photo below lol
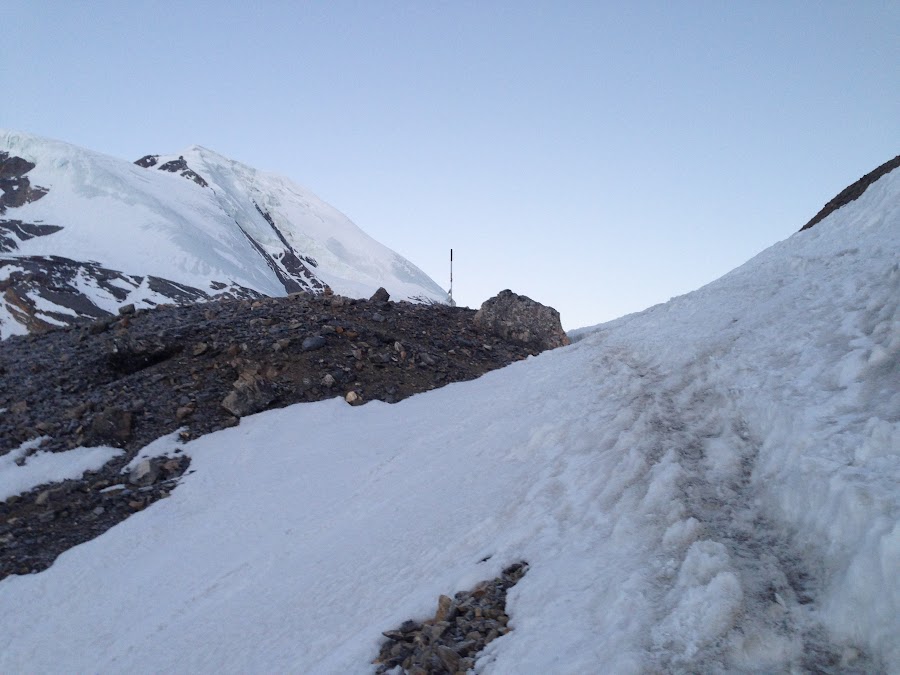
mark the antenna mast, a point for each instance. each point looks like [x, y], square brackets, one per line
[452, 303]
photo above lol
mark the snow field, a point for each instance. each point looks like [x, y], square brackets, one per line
[710, 485]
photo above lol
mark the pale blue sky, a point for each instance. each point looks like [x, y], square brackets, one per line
[599, 157]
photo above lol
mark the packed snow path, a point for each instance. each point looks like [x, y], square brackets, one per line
[710, 485]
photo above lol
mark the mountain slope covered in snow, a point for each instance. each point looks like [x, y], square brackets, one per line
[82, 234]
[706, 486]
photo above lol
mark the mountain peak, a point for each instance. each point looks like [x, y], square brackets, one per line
[94, 233]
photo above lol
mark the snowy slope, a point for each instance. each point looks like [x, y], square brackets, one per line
[707, 486]
[125, 233]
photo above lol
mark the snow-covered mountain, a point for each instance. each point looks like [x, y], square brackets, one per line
[710, 485]
[82, 234]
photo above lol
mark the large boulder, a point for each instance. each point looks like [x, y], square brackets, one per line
[520, 319]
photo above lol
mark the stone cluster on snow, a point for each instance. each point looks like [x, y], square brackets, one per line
[461, 627]
[127, 380]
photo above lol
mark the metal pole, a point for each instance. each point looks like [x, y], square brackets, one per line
[451, 277]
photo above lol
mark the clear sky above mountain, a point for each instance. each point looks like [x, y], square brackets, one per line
[599, 157]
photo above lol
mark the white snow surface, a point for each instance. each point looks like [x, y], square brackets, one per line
[47, 467]
[144, 221]
[708, 486]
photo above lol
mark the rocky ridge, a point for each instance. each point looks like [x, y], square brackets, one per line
[852, 192]
[130, 379]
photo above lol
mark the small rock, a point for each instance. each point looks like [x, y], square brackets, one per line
[312, 343]
[352, 398]
[200, 348]
[183, 411]
[435, 631]
[99, 511]
[448, 657]
[251, 393]
[328, 380]
[126, 309]
[77, 411]
[143, 474]
[43, 498]
[381, 295]
[465, 647]
[378, 317]
[446, 610]
[410, 626]
[98, 327]
[111, 424]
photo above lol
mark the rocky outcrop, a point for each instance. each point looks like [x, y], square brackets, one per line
[521, 320]
[853, 192]
[461, 627]
[179, 166]
[13, 232]
[15, 187]
[127, 379]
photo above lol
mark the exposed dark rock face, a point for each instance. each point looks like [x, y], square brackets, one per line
[148, 161]
[15, 188]
[853, 192]
[126, 380]
[179, 166]
[463, 625]
[522, 320]
[41, 292]
[290, 267]
[14, 231]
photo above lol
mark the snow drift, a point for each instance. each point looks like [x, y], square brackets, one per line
[709, 485]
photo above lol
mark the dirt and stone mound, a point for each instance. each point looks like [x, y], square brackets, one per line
[130, 379]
